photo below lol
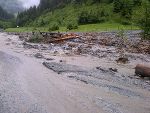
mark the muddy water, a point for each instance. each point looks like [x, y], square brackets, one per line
[27, 86]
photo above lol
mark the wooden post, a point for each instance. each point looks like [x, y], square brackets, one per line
[142, 70]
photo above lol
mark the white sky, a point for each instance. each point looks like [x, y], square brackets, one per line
[28, 3]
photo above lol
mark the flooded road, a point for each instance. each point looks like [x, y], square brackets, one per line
[67, 84]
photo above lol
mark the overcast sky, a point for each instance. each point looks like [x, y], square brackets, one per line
[28, 3]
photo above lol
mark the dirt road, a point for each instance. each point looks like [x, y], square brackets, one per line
[73, 86]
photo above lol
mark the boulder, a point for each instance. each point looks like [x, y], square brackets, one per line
[39, 55]
[122, 60]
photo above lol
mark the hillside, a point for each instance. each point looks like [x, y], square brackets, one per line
[64, 12]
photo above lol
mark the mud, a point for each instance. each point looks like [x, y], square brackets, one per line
[75, 76]
[102, 76]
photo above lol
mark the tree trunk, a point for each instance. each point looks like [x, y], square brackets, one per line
[142, 70]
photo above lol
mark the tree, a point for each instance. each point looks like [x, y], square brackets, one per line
[124, 7]
[145, 21]
[137, 2]
[118, 5]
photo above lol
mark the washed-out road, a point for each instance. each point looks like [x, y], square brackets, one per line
[28, 86]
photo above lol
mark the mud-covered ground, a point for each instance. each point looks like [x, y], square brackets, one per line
[82, 75]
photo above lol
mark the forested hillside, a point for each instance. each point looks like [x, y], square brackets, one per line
[71, 13]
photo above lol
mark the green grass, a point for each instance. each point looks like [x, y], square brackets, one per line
[26, 29]
[82, 28]
[105, 27]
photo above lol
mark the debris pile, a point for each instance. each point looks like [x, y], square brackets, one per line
[132, 43]
[97, 44]
[52, 37]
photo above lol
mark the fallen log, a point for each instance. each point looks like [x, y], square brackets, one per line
[63, 38]
[142, 70]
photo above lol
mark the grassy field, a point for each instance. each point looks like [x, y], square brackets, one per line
[81, 28]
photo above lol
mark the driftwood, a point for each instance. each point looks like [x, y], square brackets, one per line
[142, 70]
[63, 38]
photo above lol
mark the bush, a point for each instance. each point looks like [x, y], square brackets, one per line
[72, 25]
[53, 27]
[125, 22]
[121, 34]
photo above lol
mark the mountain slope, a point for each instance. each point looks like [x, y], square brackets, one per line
[64, 12]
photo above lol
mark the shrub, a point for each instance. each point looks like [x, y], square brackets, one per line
[125, 22]
[72, 25]
[121, 34]
[53, 27]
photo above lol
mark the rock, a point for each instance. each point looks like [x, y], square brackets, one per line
[39, 55]
[142, 70]
[49, 59]
[27, 46]
[137, 77]
[71, 76]
[63, 68]
[61, 61]
[8, 40]
[107, 71]
[35, 46]
[122, 60]
[113, 69]
[30, 46]
[100, 68]
[7, 43]
[56, 52]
